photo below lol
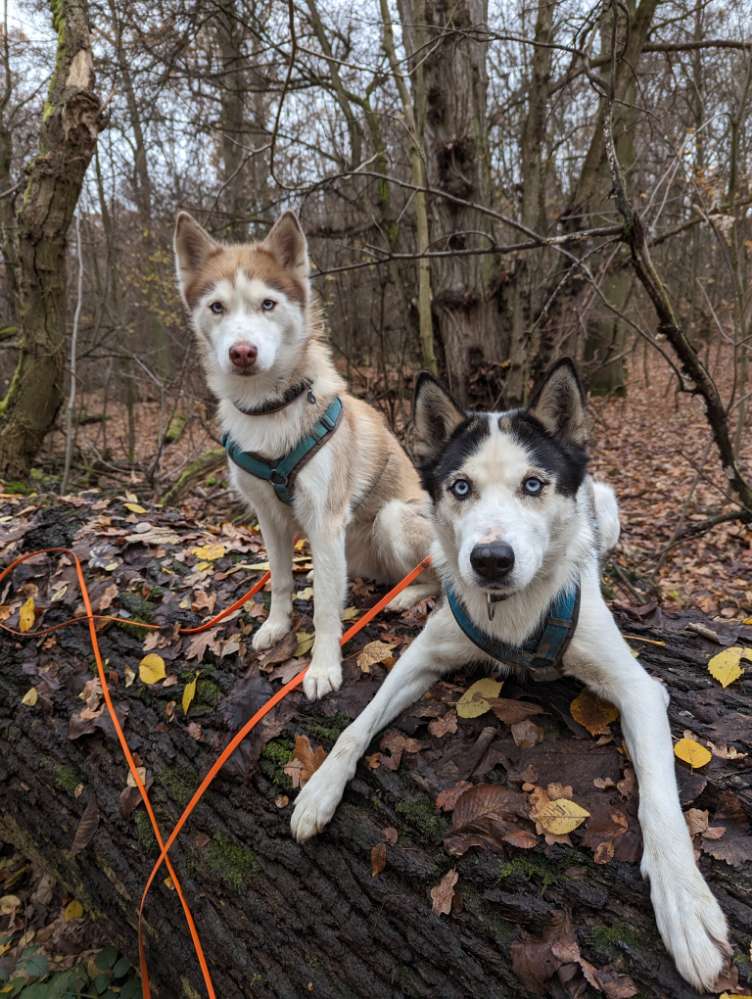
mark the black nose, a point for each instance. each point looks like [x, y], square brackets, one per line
[493, 561]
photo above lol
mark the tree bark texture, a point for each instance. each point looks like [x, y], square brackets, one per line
[71, 122]
[455, 80]
[281, 920]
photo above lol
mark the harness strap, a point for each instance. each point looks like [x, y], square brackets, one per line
[282, 472]
[544, 649]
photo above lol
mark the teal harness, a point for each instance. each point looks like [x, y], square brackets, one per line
[282, 472]
[543, 650]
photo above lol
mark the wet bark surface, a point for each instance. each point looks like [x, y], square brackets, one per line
[282, 920]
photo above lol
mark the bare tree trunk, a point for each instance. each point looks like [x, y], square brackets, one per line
[231, 121]
[71, 122]
[453, 61]
[527, 271]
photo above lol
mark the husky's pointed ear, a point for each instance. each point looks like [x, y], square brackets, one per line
[193, 246]
[286, 240]
[559, 403]
[435, 416]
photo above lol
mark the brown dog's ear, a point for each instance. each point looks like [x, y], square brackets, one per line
[286, 241]
[435, 416]
[193, 245]
[559, 403]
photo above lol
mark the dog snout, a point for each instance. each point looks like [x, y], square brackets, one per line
[492, 561]
[243, 356]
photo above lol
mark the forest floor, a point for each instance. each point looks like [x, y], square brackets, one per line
[652, 446]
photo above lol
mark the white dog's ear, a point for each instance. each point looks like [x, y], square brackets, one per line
[435, 416]
[193, 246]
[286, 241]
[559, 403]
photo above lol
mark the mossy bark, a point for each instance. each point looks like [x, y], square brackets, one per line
[71, 121]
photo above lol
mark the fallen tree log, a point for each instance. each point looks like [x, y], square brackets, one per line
[337, 918]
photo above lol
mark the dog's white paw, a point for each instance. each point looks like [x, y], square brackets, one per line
[410, 596]
[324, 674]
[317, 802]
[271, 631]
[690, 921]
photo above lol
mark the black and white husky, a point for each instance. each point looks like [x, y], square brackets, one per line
[517, 523]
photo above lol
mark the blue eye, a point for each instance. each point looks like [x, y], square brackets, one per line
[533, 486]
[268, 304]
[460, 489]
[217, 308]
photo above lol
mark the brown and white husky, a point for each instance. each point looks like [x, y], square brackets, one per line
[358, 498]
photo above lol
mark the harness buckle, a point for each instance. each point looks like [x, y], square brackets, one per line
[277, 478]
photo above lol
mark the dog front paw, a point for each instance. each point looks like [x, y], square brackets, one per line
[271, 631]
[691, 923]
[325, 672]
[317, 802]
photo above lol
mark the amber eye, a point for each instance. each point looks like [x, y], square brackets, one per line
[217, 308]
[268, 304]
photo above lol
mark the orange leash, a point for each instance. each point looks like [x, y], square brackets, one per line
[130, 761]
[226, 753]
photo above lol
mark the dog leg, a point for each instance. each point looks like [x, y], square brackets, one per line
[402, 536]
[278, 537]
[329, 590]
[690, 921]
[413, 674]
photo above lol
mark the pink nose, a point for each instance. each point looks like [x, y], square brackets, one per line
[243, 355]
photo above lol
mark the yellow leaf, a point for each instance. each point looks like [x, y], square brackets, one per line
[130, 676]
[169, 883]
[473, 702]
[561, 816]
[135, 507]
[203, 566]
[305, 594]
[210, 553]
[31, 697]
[375, 653]
[349, 613]
[27, 615]
[692, 753]
[592, 713]
[8, 904]
[305, 643]
[725, 666]
[131, 780]
[300, 544]
[73, 910]
[152, 668]
[189, 692]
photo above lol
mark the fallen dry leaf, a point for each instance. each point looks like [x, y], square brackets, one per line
[592, 713]
[87, 827]
[27, 615]
[378, 859]
[209, 553]
[189, 692]
[693, 753]
[725, 667]
[489, 815]
[395, 743]
[447, 799]
[375, 654]
[526, 734]
[444, 725]
[31, 697]
[442, 894]
[151, 669]
[305, 762]
[476, 699]
[560, 816]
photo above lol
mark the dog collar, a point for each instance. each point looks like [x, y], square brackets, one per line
[267, 408]
[543, 650]
[282, 472]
